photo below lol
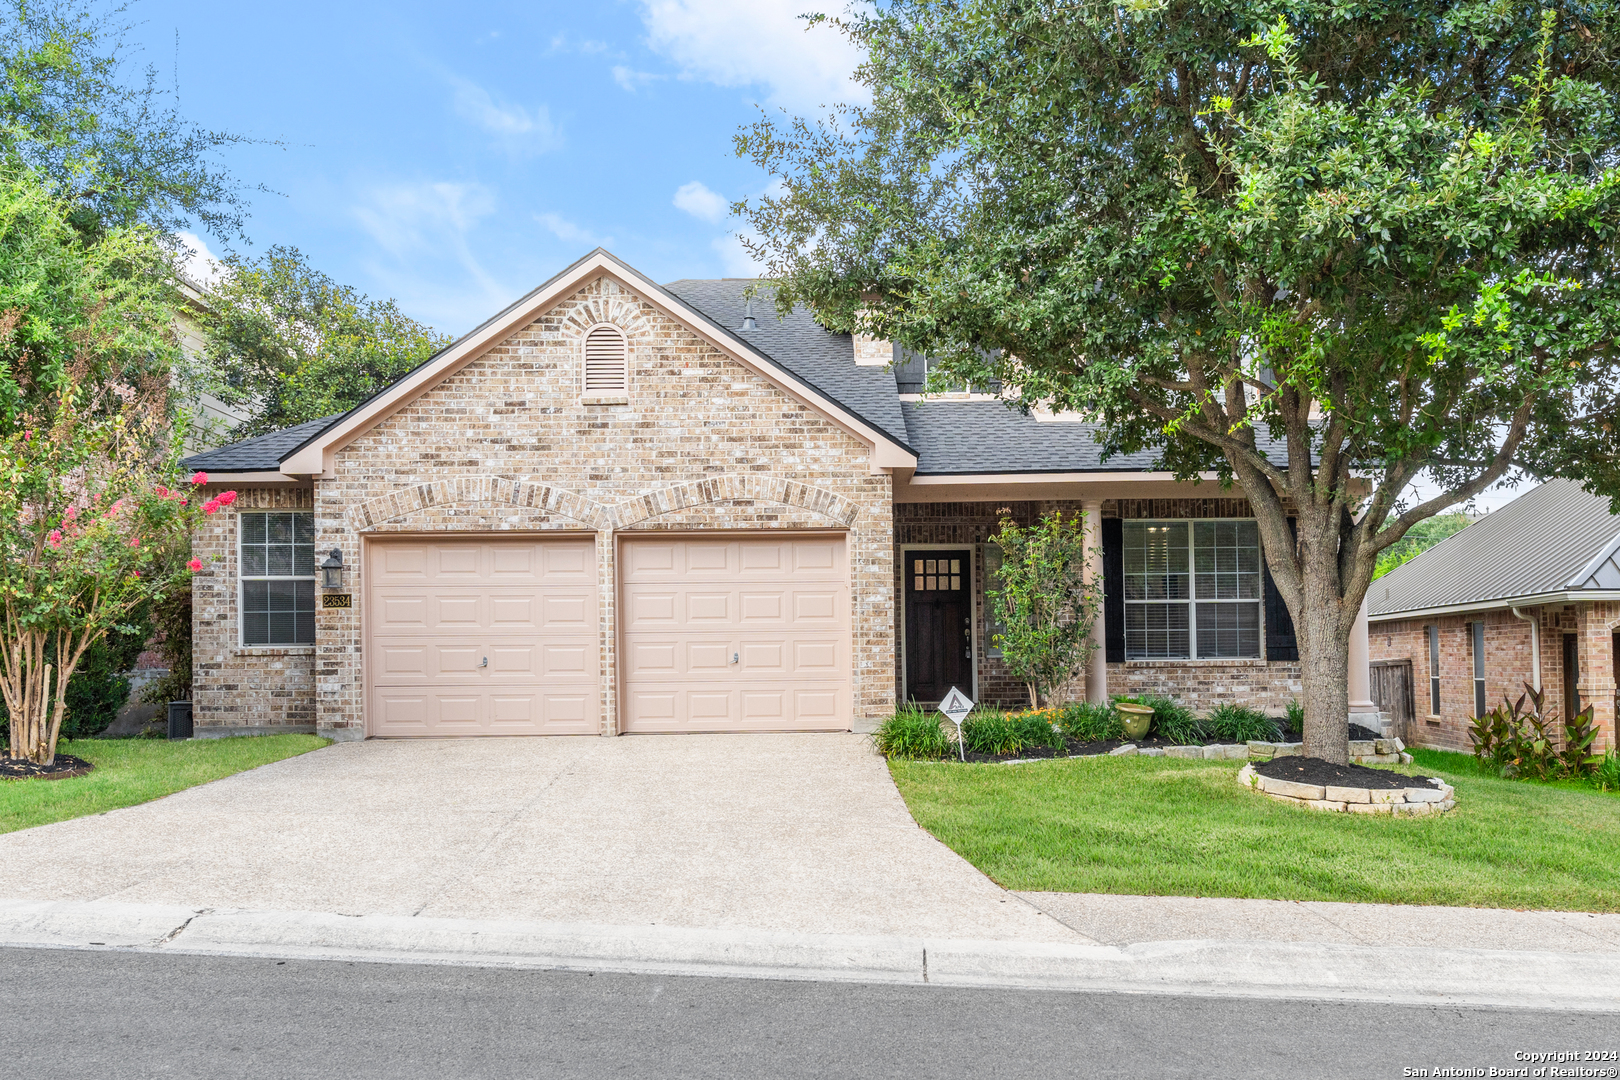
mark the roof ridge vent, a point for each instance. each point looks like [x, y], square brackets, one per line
[748, 322]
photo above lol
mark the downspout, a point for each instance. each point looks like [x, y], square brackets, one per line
[1535, 645]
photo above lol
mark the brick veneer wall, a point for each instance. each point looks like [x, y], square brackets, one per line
[1508, 665]
[1201, 684]
[505, 445]
[233, 686]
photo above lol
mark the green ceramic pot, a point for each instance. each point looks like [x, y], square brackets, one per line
[1136, 719]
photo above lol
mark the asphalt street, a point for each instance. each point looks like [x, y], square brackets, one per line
[117, 1015]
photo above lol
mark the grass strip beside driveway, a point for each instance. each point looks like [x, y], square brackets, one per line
[1170, 827]
[131, 771]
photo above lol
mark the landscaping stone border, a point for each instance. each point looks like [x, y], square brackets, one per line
[1413, 801]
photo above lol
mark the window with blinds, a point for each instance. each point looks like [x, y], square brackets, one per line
[607, 361]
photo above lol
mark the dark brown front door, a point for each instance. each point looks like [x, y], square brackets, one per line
[939, 623]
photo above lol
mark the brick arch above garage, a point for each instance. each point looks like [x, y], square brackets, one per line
[478, 491]
[830, 507]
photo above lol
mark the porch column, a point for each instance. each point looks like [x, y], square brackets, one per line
[1097, 665]
[1360, 673]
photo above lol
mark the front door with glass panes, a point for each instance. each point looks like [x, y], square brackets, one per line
[939, 623]
[1192, 590]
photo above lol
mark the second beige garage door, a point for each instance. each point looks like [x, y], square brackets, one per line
[482, 637]
[735, 634]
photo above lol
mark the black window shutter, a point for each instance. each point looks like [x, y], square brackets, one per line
[1113, 541]
[1280, 641]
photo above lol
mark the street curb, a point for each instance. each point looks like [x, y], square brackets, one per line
[1249, 969]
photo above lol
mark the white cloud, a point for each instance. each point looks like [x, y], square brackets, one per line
[696, 199]
[518, 128]
[198, 263]
[426, 228]
[569, 233]
[756, 43]
[630, 80]
[734, 258]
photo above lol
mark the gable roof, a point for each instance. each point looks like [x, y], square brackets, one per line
[936, 438]
[1554, 543]
[314, 455]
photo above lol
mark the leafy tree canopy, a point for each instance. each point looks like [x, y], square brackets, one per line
[110, 140]
[1418, 539]
[94, 310]
[300, 346]
[1317, 248]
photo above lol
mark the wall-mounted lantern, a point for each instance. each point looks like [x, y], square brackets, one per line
[332, 570]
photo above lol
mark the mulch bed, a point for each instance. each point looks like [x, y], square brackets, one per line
[64, 767]
[1309, 770]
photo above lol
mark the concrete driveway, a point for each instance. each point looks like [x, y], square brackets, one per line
[764, 832]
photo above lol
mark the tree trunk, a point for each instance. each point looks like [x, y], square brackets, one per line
[1324, 660]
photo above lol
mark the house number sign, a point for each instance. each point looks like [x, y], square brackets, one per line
[336, 600]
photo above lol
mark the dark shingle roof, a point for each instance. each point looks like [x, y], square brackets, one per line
[259, 454]
[1555, 537]
[949, 437]
[965, 437]
[824, 360]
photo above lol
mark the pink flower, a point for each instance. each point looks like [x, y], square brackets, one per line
[137, 573]
[163, 492]
[72, 512]
[194, 565]
[55, 539]
[225, 498]
[134, 541]
[211, 506]
[27, 435]
[199, 478]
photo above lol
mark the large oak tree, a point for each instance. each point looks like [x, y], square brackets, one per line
[1322, 249]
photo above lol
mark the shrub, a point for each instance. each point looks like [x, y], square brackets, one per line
[914, 734]
[1036, 729]
[1533, 742]
[1239, 723]
[1091, 723]
[1295, 719]
[991, 732]
[1043, 601]
[1607, 775]
[1171, 722]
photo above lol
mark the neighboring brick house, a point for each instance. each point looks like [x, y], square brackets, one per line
[1527, 595]
[618, 507]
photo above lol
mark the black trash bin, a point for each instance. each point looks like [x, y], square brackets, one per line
[179, 719]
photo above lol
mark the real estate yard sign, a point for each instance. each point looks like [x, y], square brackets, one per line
[956, 706]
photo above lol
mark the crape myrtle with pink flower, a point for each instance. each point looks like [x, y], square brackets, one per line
[94, 523]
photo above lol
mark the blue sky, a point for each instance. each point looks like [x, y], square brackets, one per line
[455, 156]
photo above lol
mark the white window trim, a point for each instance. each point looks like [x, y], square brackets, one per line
[973, 644]
[243, 579]
[1193, 600]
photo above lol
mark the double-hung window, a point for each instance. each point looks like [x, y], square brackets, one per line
[1192, 589]
[277, 570]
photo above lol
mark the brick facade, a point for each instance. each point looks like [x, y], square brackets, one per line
[1200, 684]
[232, 686]
[504, 444]
[1508, 665]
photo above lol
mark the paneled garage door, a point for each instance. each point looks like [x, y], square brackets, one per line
[736, 634]
[476, 637]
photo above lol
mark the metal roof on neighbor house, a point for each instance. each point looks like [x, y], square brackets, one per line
[1555, 538]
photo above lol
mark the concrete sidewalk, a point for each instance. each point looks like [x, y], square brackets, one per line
[1585, 980]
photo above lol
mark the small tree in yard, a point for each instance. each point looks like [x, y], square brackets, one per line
[1320, 250]
[1044, 604]
[89, 532]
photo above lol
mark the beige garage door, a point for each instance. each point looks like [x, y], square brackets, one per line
[736, 634]
[474, 637]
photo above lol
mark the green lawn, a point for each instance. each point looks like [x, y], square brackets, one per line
[130, 771]
[1166, 827]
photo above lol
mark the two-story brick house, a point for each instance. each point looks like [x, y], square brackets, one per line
[623, 507]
